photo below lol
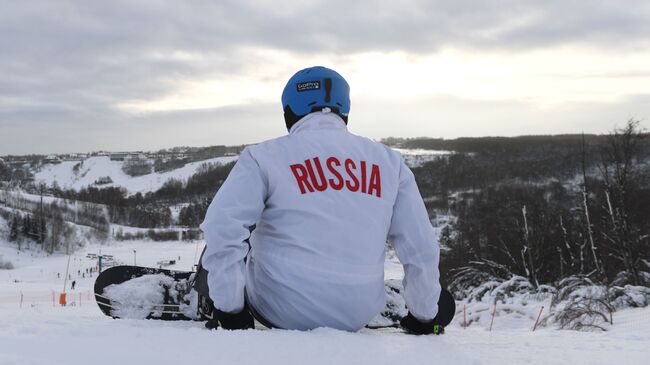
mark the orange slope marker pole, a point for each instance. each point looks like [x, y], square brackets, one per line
[493, 313]
[465, 316]
[537, 320]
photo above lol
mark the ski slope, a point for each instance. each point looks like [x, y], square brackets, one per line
[41, 332]
[94, 168]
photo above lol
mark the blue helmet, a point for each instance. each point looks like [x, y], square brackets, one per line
[313, 89]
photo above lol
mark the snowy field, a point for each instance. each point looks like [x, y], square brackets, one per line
[42, 332]
[75, 335]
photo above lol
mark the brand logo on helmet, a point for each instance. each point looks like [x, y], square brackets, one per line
[308, 85]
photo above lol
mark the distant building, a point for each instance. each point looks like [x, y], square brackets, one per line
[52, 159]
[75, 157]
[119, 156]
[18, 163]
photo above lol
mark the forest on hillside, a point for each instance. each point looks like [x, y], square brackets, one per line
[539, 207]
[543, 208]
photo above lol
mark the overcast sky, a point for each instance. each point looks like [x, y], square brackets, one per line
[81, 76]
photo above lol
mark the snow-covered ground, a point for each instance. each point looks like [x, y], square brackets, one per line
[94, 168]
[42, 332]
[80, 335]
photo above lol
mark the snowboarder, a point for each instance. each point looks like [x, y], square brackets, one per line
[73, 284]
[322, 202]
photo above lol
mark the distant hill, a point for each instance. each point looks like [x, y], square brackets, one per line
[102, 172]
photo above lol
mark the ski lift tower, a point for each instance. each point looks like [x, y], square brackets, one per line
[99, 258]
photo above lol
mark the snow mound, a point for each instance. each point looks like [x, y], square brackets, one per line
[42, 332]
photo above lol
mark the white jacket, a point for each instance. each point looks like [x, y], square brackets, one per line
[324, 202]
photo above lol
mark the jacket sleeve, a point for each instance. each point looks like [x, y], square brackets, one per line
[237, 206]
[417, 248]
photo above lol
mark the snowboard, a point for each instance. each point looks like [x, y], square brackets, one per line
[146, 293]
[149, 293]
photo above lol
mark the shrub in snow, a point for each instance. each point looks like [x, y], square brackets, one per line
[624, 278]
[580, 304]
[467, 279]
[6, 265]
[77, 167]
[488, 281]
[645, 278]
[120, 235]
[514, 301]
[137, 165]
[160, 235]
[629, 296]
[192, 234]
[104, 180]
[166, 235]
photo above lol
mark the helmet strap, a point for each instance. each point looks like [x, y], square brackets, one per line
[290, 118]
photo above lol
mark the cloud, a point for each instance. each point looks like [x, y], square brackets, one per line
[53, 130]
[69, 66]
[452, 117]
[97, 52]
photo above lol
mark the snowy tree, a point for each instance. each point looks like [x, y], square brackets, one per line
[15, 229]
[136, 165]
[623, 179]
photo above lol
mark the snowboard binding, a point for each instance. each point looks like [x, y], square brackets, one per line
[205, 309]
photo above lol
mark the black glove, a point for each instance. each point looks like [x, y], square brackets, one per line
[413, 325]
[231, 321]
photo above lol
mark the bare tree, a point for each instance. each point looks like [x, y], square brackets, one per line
[585, 203]
[620, 171]
[526, 250]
